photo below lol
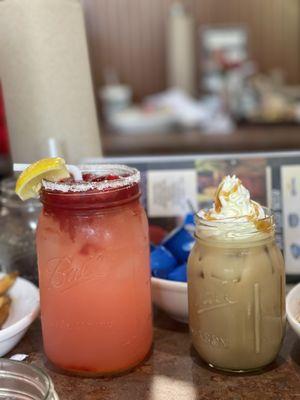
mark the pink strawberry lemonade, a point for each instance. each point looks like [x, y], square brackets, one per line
[93, 258]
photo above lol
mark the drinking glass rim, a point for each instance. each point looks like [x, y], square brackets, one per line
[132, 178]
[37, 370]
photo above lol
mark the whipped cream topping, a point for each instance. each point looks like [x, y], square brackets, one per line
[233, 201]
[234, 215]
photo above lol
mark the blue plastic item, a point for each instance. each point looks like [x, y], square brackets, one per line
[162, 262]
[295, 250]
[179, 242]
[189, 219]
[293, 219]
[179, 274]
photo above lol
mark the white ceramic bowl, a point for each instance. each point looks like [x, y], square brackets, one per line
[171, 297]
[24, 309]
[293, 308]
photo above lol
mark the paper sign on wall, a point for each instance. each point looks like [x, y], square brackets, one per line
[169, 192]
[290, 186]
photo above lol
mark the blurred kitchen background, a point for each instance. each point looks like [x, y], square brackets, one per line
[193, 76]
[196, 76]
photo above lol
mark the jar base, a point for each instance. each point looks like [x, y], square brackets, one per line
[204, 363]
[96, 374]
[236, 371]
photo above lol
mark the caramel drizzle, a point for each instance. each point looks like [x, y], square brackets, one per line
[262, 225]
[225, 194]
[218, 205]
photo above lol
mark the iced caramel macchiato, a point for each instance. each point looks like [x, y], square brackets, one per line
[236, 283]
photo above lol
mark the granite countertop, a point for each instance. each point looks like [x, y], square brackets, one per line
[175, 372]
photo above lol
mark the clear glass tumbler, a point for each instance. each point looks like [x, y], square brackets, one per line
[21, 381]
[18, 222]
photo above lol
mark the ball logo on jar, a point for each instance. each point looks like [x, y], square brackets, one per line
[65, 272]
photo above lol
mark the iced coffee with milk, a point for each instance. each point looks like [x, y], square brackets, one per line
[236, 282]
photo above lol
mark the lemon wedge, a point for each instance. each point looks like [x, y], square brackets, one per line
[30, 181]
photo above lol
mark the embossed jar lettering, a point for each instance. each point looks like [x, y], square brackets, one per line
[65, 272]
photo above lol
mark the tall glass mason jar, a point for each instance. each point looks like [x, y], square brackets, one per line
[236, 290]
[94, 274]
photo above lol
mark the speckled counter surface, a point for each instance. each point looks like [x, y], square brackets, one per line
[175, 372]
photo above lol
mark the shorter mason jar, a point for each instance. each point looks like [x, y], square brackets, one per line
[19, 381]
[94, 272]
[236, 291]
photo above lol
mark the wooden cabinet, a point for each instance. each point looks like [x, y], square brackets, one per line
[129, 35]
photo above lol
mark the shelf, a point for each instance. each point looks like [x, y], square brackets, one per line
[244, 139]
